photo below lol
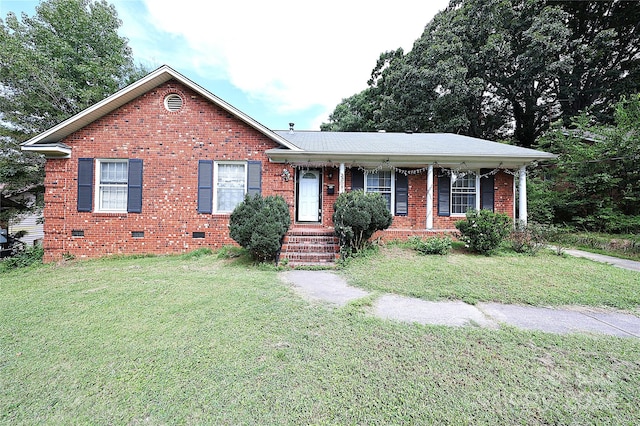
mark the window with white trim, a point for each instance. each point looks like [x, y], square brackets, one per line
[111, 188]
[381, 182]
[230, 185]
[464, 193]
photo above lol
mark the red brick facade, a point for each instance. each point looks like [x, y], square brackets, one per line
[170, 144]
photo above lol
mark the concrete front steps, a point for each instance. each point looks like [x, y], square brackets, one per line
[310, 246]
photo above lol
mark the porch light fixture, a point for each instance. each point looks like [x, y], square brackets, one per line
[286, 175]
[330, 175]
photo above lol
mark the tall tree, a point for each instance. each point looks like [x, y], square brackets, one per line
[58, 62]
[507, 68]
[605, 50]
[595, 182]
[353, 114]
[53, 65]
[521, 51]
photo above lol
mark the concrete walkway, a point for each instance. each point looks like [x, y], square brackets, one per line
[328, 287]
[631, 265]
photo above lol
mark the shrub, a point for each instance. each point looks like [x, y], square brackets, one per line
[29, 256]
[259, 225]
[528, 238]
[483, 231]
[558, 236]
[433, 245]
[357, 216]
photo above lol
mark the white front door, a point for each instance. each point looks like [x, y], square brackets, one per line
[309, 195]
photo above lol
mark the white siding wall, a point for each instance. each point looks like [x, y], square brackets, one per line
[35, 230]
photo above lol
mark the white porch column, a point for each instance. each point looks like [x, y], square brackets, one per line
[341, 179]
[522, 197]
[430, 197]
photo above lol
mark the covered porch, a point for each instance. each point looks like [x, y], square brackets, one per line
[429, 180]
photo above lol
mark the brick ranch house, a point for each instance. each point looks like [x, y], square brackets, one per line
[159, 166]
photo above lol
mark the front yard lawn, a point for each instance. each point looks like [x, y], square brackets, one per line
[196, 340]
[542, 280]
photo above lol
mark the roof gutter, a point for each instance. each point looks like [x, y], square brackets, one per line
[285, 156]
[161, 75]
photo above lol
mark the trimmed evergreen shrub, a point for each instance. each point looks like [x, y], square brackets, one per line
[357, 216]
[259, 225]
[483, 231]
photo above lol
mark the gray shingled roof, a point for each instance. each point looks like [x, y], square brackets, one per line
[361, 147]
[400, 143]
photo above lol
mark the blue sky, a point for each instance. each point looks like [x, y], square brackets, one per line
[278, 61]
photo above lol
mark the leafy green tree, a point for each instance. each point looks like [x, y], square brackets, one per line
[353, 114]
[595, 182]
[504, 68]
[19, 172]
[478, 68]
[54, 64]
[605, 50]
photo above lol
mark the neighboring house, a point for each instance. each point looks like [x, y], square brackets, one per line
[159, 166]
[28, 225]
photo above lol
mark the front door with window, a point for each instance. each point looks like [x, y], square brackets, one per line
[309, 196]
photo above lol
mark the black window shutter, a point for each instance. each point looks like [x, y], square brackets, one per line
[254, 177]
[134, 190]
[357, 179]
[85, 184]
[205, 186]
[486, 191]
[402, 195]
[444, 196]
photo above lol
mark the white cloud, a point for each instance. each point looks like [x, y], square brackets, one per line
[290, 55]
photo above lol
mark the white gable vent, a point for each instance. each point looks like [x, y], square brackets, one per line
[173, 102]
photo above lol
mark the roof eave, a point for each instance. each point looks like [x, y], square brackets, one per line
[56, 150]
[136, 89]
[285, 156]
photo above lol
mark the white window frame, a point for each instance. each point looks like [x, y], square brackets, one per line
[477, 192]
[216, 175]
[393, 188]
[99, 186]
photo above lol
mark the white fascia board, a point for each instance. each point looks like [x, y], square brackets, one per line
[99, 109]
[489, 160]
[50, 151]
[138, 88]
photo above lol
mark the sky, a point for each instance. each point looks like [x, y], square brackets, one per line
[278, 61]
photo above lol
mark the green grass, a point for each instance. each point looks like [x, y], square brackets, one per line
[544, 280]
[200, 340]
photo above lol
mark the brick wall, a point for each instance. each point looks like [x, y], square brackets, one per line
[415, 223]
[502, 200]
[170, 145]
